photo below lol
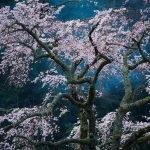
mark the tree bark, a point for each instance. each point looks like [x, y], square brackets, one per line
[117, 129]
[91, 117]
[83, 128]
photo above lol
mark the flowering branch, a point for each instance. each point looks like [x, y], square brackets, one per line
[44, 46]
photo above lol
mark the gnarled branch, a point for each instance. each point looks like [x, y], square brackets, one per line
[44, 46]
[130, 106]
[135, 136]
[56, 144]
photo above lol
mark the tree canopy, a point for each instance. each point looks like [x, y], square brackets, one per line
[81, 53]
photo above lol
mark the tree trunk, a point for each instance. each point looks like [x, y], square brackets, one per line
[117, 130]
[91, 117]
[83, 128]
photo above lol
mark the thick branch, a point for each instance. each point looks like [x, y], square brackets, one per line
[71, 99]
[100, 67]
[94, 45]
[139, 42]
[117, 128]
[87, 67]
[143, 139]
[91, 95]
[98, 55]
[122, 45]
[75, 65]
[80, 81]
[65, 141]
[129, 107]
[142, 53]
[16, 124]
[48, 111]
[45, 47]
[135, 136]
[91, 92]
[91, 40]
[132, 67]
[56, 144]
[127, 82]
[84, 71]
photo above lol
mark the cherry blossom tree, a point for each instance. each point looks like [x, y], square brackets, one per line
[80, 54]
